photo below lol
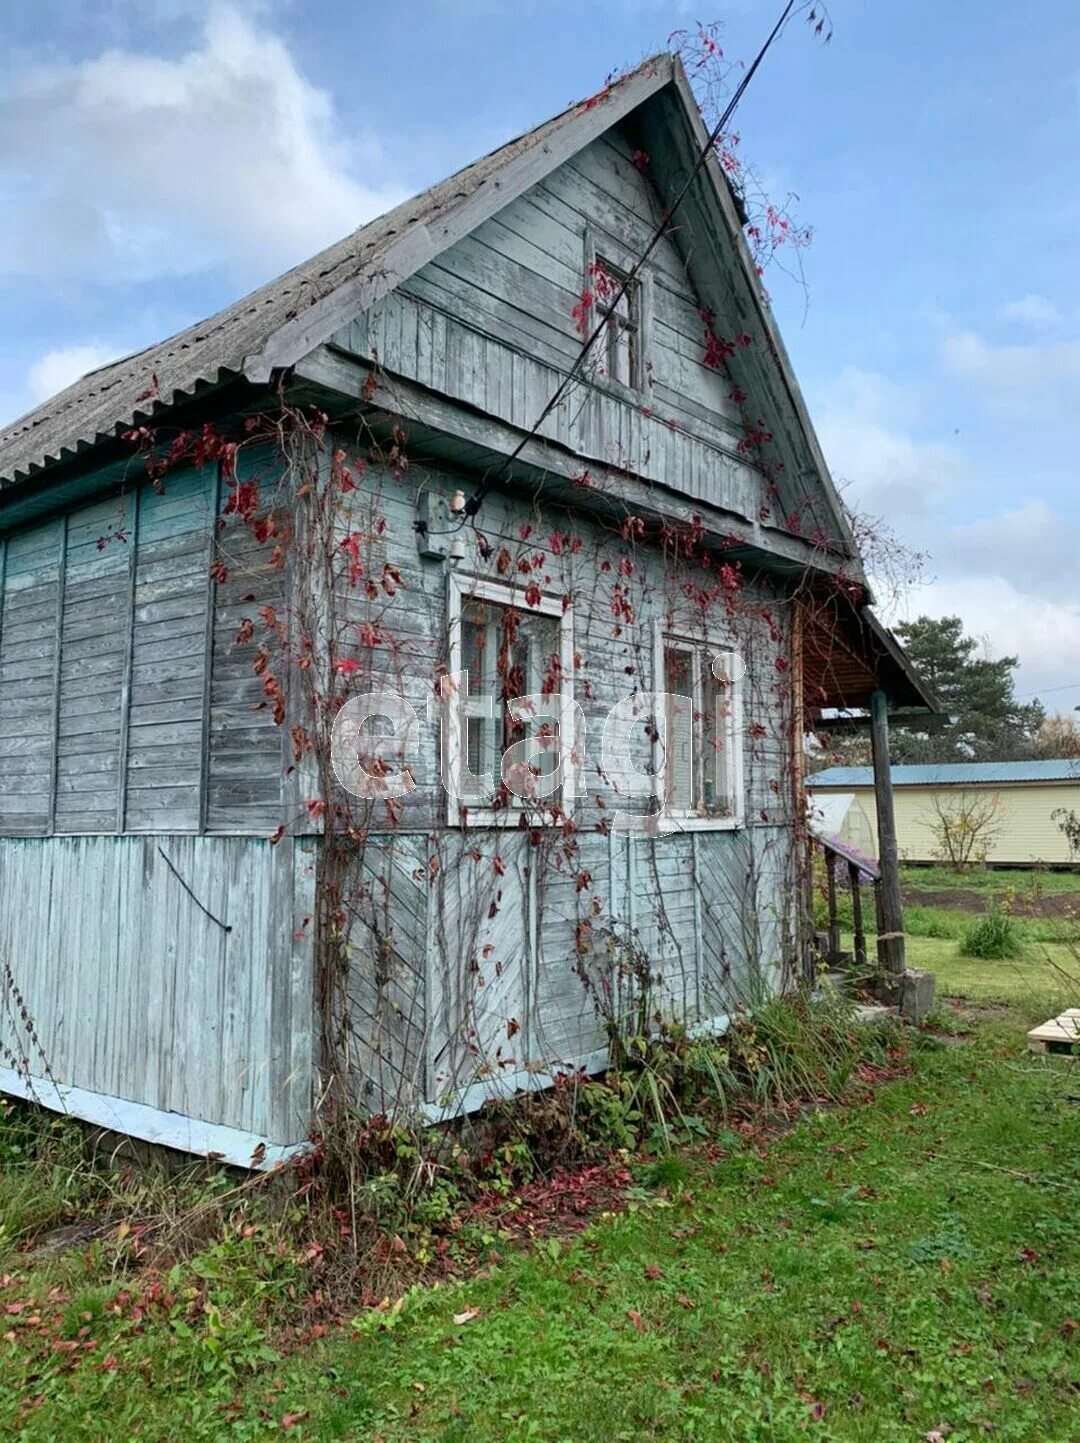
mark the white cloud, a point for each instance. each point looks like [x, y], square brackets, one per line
[1008, 574]
[1044, 633]
[57, 369]
[867, 425]
[130, 165]
[1032, 310]
[1029, 382]
[1033, 544]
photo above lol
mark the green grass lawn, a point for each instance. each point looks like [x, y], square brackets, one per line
[1048, 964]
[989, 879]
[1046, 978]
[881, 1271]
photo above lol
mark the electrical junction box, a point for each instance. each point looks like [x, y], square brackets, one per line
[432, 534]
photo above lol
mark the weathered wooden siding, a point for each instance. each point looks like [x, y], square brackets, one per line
[387, 988]
[94, 671]
[490, 323]
[131, 707]
[169, 654]
[161, 971]
[512, 986]
[29, 622]
[245, 748]
[123, 704]
[158, 966]
[467, 960]
[163, 948]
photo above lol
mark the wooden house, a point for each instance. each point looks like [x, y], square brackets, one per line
[361, 475]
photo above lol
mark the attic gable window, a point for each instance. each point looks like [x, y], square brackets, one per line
[618, 304]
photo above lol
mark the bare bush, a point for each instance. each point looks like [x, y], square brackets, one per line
[965, 827]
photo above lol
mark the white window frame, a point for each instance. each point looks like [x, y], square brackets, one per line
[599, 246]
[702, 650]
[476, 588]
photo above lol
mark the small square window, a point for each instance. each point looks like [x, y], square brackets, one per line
[618, 302]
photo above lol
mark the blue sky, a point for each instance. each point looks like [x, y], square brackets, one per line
[158, 159]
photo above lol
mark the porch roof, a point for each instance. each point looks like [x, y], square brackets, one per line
[849, 654]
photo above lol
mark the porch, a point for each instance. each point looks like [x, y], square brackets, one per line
[857, 677]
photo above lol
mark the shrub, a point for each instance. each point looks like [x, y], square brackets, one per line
[994, 938]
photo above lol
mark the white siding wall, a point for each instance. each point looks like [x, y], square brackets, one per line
[1025, 832]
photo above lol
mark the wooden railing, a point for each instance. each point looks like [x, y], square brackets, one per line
[838, 855]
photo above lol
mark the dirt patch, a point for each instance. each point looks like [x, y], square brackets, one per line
[1053, 904]
[64, 1238]
[975, 1013]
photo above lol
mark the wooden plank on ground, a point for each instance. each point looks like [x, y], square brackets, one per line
[1059, 1034]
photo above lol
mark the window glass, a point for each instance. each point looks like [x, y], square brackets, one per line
[618, 299]
[510, 653]
[678, 733]
[697, 743]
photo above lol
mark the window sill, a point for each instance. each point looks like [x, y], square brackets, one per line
[476, 818]
[695, 823]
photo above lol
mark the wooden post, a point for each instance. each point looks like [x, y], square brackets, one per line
[834, 925]
[805, 875]
[891, 929]
[856, 914]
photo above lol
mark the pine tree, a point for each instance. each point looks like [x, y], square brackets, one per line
[987, 721]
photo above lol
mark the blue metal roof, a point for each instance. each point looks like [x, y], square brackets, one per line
[953, 774]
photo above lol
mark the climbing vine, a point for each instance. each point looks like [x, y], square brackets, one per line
[441, 950]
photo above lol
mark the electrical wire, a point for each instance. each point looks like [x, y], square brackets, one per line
[472, 506]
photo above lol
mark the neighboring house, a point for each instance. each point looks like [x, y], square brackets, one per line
[364, 475]
[1013, 805]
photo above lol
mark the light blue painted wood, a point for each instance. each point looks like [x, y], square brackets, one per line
[153, 968]
[150, 1124]
[502, 302]
[463, 979]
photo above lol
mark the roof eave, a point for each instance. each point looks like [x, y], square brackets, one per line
[751, 286]
[422, 244]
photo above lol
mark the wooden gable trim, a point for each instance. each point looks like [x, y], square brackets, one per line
[678, 127]
[330, 373]
[422, 243]
[719, 217]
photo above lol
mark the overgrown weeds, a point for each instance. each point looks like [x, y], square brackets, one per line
[378, 1206]
[993, 938]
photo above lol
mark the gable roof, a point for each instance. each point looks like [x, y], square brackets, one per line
[958, 774]
[277, 325]
[273, 323]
